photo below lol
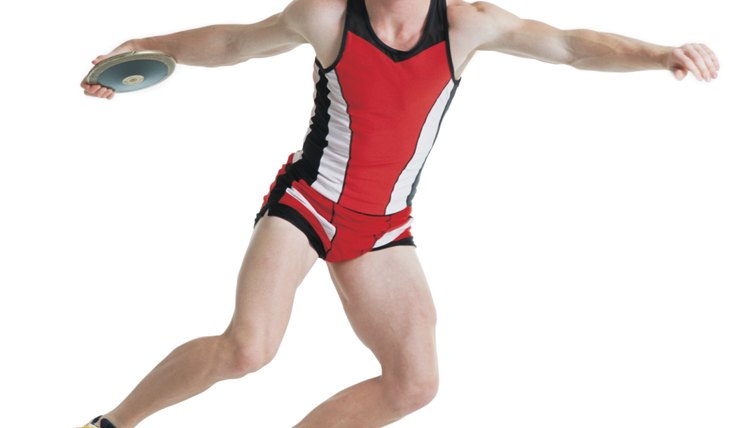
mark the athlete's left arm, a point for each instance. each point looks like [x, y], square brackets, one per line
[498, 30]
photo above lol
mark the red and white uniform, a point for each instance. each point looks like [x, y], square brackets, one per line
[377, 115]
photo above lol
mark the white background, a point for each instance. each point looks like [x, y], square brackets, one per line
[586, 234]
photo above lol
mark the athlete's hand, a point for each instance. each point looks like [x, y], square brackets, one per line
[695, 58]
[100, 91]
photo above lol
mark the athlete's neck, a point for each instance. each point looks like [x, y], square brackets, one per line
[398, 23]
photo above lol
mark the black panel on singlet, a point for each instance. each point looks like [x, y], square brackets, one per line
[316, 140]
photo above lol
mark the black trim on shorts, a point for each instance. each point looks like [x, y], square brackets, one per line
[400, 242]
[296, 219]
[276, 209]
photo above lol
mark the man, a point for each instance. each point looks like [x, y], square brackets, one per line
[386, 71]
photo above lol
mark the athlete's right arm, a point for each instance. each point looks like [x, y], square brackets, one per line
[220, 45]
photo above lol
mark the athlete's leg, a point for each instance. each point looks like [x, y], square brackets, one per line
[276, 261]
[388, 302]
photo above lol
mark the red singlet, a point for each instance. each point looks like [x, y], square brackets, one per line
[377, 115]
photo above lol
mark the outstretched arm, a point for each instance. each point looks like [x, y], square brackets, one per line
[217, 45]
[220, 45]
[498, 30]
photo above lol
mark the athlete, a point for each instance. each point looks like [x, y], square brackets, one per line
[385, 74]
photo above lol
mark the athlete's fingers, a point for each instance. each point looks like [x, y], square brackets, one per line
[97, 91]
[125, 47]
[101, 92]
[99, 59]
[697, 56]
[711, 59]
[679, 73]
[90, 89]
[693, 55]
[684, 62]
[713, 56]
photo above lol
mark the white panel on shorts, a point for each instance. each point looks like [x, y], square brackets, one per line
[393, 234]
[327, 226]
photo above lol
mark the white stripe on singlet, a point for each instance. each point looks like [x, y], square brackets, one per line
[427, 136]
[333, 163]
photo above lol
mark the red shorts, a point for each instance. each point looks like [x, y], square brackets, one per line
[334, 231]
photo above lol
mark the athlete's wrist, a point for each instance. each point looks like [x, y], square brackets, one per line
[663, 56]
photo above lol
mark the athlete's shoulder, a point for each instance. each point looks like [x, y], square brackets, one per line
[315, 13]
[320, 23]
[468, 15]
[473, 26]
[310, 18]
[479, 23]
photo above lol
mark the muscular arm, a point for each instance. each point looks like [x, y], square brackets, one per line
[488, 27]
[220, 45]
[302, 21]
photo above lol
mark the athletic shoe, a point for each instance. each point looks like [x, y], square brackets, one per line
[103, 423]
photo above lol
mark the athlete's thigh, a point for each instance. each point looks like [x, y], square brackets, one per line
[388, 302]
[277, 260]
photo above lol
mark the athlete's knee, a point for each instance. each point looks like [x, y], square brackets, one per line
[246, 354]
[246, 360]
[410, 392]
[417, 395]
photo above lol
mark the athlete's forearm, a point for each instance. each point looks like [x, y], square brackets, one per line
[207, 46]
[591, 50]
[219, 45]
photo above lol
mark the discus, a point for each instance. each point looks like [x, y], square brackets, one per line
[132, 71]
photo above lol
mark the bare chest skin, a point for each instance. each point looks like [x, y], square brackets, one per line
[397, 23]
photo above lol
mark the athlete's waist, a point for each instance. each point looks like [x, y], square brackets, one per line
[351, 188]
